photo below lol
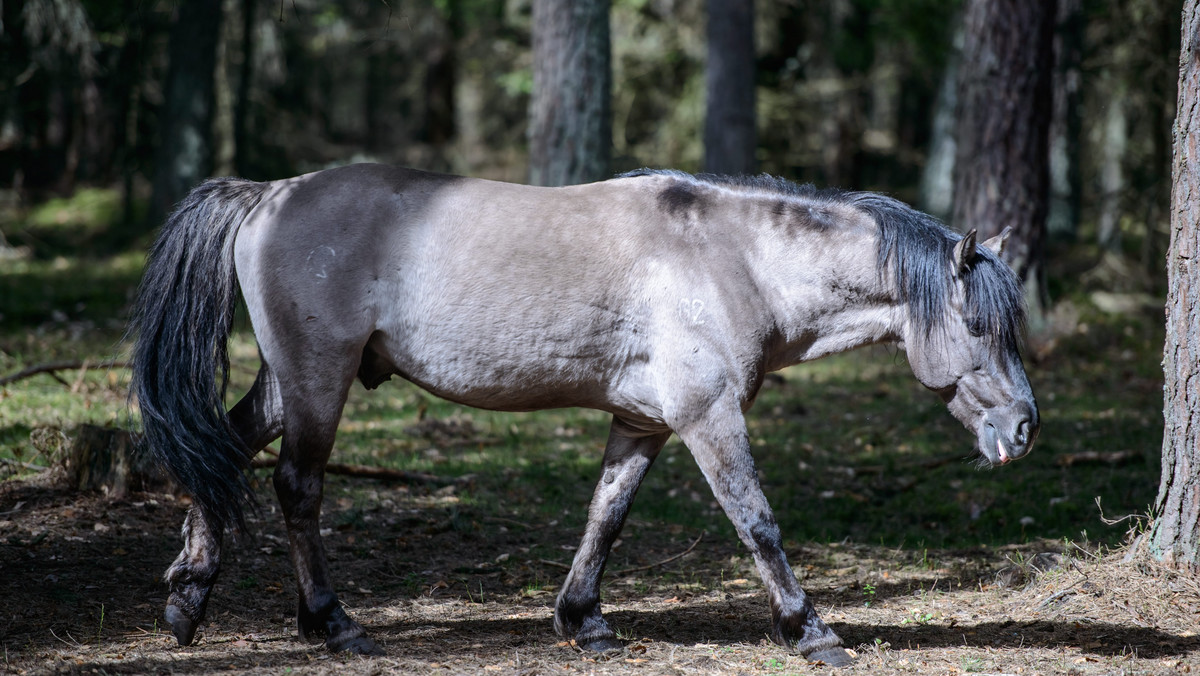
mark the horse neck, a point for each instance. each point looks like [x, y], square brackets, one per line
[824, 289]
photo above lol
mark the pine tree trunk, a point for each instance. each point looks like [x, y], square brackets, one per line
[241, 110]
[1001, 170]
[937, 179]
[570, 126]
[1065, 182]
[1175, 538]
[184, 155]
[730, 125]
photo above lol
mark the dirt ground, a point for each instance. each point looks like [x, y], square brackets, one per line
[449, 588]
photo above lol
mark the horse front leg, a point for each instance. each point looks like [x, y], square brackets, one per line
[257, 420]
[719, 443]
[628, 454]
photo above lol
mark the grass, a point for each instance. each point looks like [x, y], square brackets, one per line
[850, 447]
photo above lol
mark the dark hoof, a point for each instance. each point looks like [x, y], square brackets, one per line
[602, 645]
[359, 645]
[831, 657]
[182, 627]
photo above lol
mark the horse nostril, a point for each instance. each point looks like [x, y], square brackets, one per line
[1022, 437]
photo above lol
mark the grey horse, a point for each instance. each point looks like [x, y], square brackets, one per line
[659, 297]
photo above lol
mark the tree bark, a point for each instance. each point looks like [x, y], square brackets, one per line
[1065, 183]
[1001, 169]
[730, 124]
[570, 127]
[242, 158]
[185, 146]
[937, 179]
[1175, 537]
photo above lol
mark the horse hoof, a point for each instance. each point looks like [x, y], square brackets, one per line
[359, 645]
[602, 645]
[182, 626]
[831, 657]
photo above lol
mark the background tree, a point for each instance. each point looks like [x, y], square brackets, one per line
[570, 114]
[1063, 217]
[730, 124]
[1175, 537]
[184, 155]
[1001, 175]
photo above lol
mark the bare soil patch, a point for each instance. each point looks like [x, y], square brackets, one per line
[450, 588]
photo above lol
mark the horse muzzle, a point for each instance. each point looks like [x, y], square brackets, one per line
[1008, 434]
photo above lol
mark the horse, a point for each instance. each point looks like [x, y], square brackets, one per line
[660, 297]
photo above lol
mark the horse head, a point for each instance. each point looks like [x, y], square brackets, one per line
[971, 356]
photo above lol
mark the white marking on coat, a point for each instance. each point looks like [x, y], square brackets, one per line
[690, 310]
[317, 260]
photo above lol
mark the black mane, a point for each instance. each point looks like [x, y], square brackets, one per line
[918, 249]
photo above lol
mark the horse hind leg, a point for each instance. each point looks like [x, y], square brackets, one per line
[257, 419]
[627, 457]
[313, 396]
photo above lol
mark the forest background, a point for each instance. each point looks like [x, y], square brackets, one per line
[858, 94]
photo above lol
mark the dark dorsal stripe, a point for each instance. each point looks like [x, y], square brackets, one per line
[915, 245]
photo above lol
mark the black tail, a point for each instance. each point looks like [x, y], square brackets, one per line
[182, 320]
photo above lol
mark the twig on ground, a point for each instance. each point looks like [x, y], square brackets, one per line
[1108, 457]
[51, 368]
[555, 564]
[1057, 596]
[368, 472]
[23, 465]
[680, 555]
[1113, 522]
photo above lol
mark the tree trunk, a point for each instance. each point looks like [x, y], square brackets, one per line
[1175, 537]
[184, 154]
[937, 179]
[242, 153]
[1115, 134]
[570, 127]
[730, 124]
[1065, 184]
[1001, 169]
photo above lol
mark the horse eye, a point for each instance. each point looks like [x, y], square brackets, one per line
[976, 327]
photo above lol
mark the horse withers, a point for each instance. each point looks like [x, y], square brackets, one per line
[659, 297]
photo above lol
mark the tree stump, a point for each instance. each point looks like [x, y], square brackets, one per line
[108, 460]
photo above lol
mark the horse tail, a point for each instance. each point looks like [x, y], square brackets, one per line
[182, 319]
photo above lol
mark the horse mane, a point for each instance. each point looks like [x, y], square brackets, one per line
[917, 247]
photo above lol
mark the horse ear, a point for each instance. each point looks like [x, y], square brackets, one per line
[996, 244]
[964, 252]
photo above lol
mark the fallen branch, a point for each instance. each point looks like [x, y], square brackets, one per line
[1108, 457]
[680, 555]
[368, 472]
[1058, 596]
[635, 569]
[23, 465]
[54, 366]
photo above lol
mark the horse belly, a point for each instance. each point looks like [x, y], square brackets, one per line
[520, 363]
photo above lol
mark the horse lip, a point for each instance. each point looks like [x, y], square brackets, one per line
[1001, 453]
